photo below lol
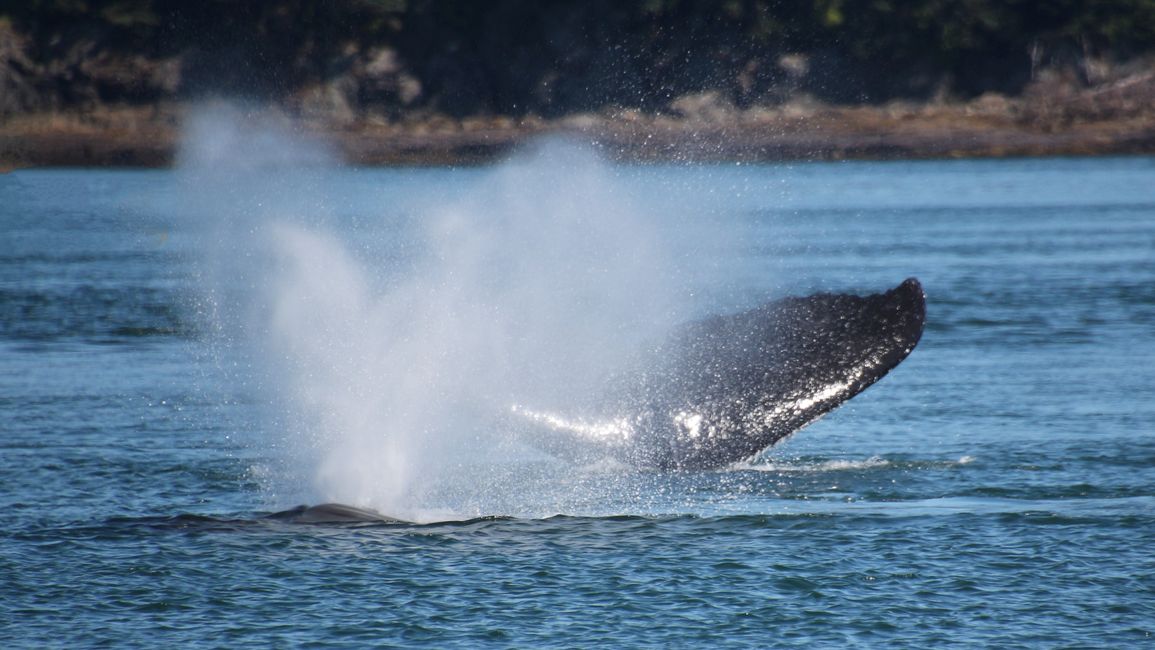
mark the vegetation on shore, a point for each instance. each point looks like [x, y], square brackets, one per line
[495, 71]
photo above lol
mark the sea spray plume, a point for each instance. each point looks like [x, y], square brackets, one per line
[387, 375]
[566, 274]
[537, 285]
[242, 169]
[527, 298]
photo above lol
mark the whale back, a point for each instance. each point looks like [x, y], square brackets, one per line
[332, 513]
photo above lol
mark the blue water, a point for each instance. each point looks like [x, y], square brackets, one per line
[997, 489]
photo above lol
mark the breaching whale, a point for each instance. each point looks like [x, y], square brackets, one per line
[720, 390]
[724, 389]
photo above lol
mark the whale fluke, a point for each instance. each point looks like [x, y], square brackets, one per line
[332, 513]
[724, 389]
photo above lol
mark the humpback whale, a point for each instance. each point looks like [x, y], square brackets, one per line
[724, 389]
[721, 390]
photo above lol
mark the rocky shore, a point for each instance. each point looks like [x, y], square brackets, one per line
[111, 82]
[1116, 118]
[1051, 118]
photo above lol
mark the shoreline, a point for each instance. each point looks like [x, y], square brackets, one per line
[989, 127]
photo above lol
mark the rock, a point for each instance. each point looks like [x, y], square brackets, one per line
[707, 106]
[329, 103]
[17, 89]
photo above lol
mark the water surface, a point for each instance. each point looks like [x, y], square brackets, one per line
[997, 489]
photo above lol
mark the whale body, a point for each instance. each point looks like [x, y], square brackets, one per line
[332, 513]
[721, 390]
[724, 389]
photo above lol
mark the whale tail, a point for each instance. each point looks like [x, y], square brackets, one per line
[723, 389]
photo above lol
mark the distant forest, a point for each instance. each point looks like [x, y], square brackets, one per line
[549, 57]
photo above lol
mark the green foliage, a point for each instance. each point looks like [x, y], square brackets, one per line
[129, 13]
[941, 28]
[515, 56]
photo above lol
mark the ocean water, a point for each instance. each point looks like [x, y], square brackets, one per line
[185, 351]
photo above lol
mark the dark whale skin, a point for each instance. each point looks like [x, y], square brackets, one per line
[722, 390]
[332, 513]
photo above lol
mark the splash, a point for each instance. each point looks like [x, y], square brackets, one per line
[390, 341]
[837, 465]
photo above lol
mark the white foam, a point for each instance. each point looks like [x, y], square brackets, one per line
[838, 465]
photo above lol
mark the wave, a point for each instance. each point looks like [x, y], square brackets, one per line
[103, 314]
[843, 465]
[1115, 512]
